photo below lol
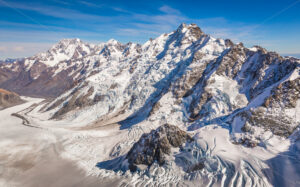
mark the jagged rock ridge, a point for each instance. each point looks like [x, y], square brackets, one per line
[152, 147]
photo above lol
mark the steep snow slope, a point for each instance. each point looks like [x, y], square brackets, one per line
[199, 76]
[238, 103]
[136, 81]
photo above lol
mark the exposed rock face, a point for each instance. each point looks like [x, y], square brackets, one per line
[37, 80]
[285, 94]
[153, 147]
[267, 119]
[278, 112]
[9, 99]
[74, 103]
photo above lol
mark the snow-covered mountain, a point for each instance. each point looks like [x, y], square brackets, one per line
[184, 76]
[226, 95]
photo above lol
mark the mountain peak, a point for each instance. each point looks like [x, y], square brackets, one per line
[65, 49]
[68, 44]
[183, 27]
[68, 41]
[189, 31]
[112, 41]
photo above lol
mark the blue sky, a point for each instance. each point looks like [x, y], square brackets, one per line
[31, 26]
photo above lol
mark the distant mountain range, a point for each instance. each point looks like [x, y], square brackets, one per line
[10, 60]
[296, 55]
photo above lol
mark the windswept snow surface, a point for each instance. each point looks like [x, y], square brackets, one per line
[32, 155]
[226, 164]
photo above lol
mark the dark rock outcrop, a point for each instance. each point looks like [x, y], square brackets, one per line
[76, 101]
[278, 125]
[154, 146]
[285, 94]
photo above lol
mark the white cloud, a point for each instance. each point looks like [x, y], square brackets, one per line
[149, 25]
[89, 4]
[169, 10]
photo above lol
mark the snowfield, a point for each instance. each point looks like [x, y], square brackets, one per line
[34, 156]
[84, 149]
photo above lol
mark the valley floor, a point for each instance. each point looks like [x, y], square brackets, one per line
[31, 156]
[59, 153]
